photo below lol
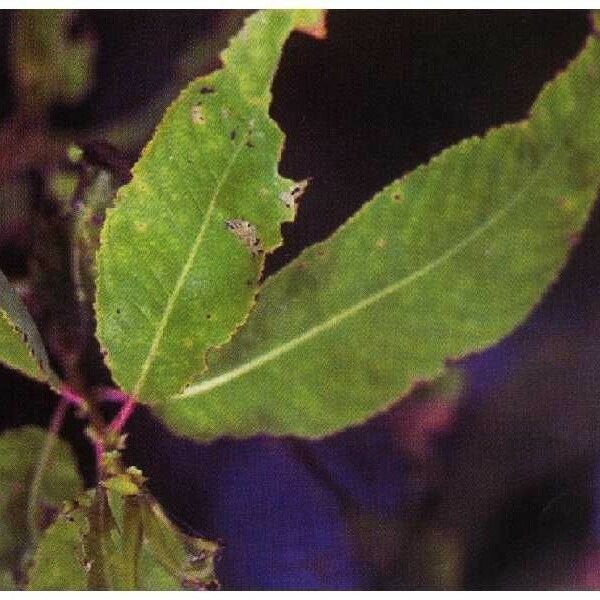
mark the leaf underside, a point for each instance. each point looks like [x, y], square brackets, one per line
[444, 262]
[21, 345]
[173, 278]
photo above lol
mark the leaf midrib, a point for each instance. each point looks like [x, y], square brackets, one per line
[174, 295]
[215, 382]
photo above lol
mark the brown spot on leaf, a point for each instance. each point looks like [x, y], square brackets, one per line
[397, 198]
[291, 197]
[381, 243]
[246, 233]
[197, 113]
[207, 90]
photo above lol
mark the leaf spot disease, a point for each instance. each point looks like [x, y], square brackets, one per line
[207, 90]
[381, 243]
[141, 227]
[198, 117]
[293, 195]
[246, 233]
[396, 198]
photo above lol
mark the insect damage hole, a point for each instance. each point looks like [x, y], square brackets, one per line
[246, 233]
[291, 197]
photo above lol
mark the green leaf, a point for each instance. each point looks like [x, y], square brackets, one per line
[110, 538]
[59, 562]
[173, 278]
[21, 345]
[442, 263]
[188, 560]
[19, 452]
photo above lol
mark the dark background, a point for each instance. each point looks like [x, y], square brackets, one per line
[495, 491]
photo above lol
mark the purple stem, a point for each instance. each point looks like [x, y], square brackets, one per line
[123, 415]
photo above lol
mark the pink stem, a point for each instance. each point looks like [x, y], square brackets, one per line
[113, 395]
[70, 397]
[123, 415]
[59, 416]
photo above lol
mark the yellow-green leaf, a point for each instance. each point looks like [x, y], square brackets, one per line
[182, 250]
[441, 263]
[59, 562]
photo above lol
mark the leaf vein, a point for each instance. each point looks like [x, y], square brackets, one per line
[214, 382]
[160, 331]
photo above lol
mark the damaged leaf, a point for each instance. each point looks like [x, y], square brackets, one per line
[441, 263]
[172, 280]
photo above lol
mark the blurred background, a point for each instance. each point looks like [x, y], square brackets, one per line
[490, 484]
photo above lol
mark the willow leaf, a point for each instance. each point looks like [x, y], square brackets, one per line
[441, 263]
[173, 279]
[21, 345]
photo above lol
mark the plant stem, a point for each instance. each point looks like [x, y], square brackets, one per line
[123, 415]
[44, 459]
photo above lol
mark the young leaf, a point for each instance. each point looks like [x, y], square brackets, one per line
[188, 560]
[173, 278]
[21, 345]
[441, 263]
[19, 452]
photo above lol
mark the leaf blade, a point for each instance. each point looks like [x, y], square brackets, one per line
[21, 345]
[443, 277]
[213, 158]
[19, 451]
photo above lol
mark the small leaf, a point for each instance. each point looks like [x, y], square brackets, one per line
[122, 485]
[188, 560]
[172, 279]
[21, 345]
[109, 540]
[19, 453]
[443, 262]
